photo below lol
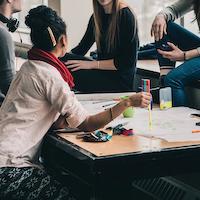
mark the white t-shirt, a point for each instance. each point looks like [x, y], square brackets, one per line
[36, 98]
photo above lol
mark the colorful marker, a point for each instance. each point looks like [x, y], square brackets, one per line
[146, 88]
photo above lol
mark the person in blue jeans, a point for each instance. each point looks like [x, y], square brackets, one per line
[175, 43]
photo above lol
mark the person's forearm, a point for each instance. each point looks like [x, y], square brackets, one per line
[191, 54]
[177, 9]
[104, 64]
[99, 120]
[96, 121]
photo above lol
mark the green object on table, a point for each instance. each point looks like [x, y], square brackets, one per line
[129, 112]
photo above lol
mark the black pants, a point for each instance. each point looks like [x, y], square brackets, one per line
[90, 81]
[98, 81]
[30, 183]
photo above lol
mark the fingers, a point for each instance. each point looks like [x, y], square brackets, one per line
[172, 45]
[173, 54]
[157, 31]
[145, 99]
[161, 30]
[141, 99]
[152, 34]
[73, 65]
[71, 62]
[153, 30]
[165, 29]
[145, 104]
[165, 54]
[158, 27]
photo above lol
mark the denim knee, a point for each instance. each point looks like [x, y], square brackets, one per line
[171, 80]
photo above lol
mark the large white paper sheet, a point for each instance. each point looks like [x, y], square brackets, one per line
[102, 96]
[172, 125]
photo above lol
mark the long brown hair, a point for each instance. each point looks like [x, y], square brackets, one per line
[196, 6]
[113, 29]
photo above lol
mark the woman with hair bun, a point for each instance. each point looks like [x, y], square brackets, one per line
[39, 98]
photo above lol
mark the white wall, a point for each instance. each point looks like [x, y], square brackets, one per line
[76, 13]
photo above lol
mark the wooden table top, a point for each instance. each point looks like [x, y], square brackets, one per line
[120, 144]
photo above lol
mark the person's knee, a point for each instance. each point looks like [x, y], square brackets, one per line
[172, 27]
[170, 24]
[171, 80]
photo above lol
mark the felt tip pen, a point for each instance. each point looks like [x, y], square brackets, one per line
[195, 131]
[198, 124]
[110, 104]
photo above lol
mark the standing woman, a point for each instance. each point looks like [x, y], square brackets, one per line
[113, 27]
[185, 46]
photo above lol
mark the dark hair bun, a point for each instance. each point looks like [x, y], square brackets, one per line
[40, 17]
[38, 20]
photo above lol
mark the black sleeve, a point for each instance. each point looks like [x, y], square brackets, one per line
[126, 52]
[87, 40]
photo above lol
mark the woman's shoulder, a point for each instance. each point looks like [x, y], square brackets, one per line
[126, 12]
[127, 16]
[91, 20]
[40, 69]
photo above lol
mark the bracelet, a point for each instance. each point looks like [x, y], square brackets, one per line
[184, 56]
[198, 51]
[111, 114]
[98, 64]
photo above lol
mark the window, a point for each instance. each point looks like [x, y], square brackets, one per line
[190, 23]
[145, 11]
[27, 5]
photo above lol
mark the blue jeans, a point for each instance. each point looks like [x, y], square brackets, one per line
[186, 73]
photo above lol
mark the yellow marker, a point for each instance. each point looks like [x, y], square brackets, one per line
[146, 88]
[150, 117]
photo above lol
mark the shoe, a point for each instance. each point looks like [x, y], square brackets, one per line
[147, 52]
[147, 46]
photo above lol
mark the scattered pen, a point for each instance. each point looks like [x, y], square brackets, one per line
[195, 131]
[150, 117]
[198, 124]
[103, 101]
[110, 104]
[146, 87]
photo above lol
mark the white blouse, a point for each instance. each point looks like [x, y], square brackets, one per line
[36, 98]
